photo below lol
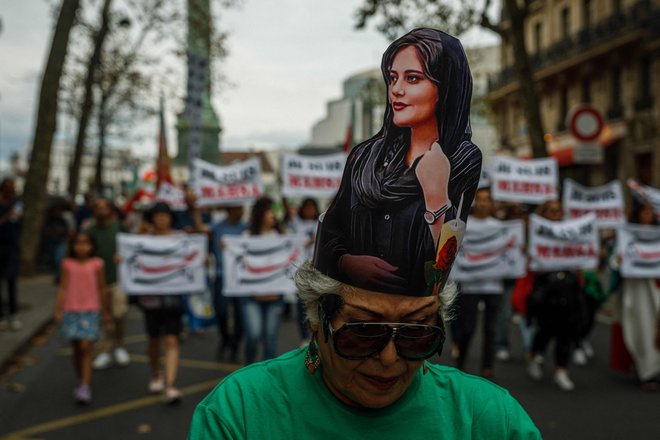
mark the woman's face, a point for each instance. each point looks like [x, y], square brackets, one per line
[646, 215]
[380, 380]
[308, 211]
[162, 221]
[269, 220]
[412, 95]
[553, 212]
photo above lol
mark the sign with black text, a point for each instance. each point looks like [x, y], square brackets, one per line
[564, 245]
[639, 247]
[491, 252]
[312, 176]
[227, 185]
[156, 265]
[261, 265]
[172, 195]
[526, 181]
[605, 201]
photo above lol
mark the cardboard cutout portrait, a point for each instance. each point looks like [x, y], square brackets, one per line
[397, 220]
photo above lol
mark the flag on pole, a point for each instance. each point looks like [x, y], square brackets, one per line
[163, 171]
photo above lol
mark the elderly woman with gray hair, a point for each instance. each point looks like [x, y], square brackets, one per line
[375, 300]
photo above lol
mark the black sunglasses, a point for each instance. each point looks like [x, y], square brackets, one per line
[361, 340]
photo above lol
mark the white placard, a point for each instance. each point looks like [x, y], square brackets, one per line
[312, 176]
[525, 181]
[564, 245]
[172, 264]
[639, 247]
[491, 252]
[647, 193]
[234, 184]
[261, 265]
[172, 195]
[605, 201]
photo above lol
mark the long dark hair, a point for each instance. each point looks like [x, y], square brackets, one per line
[305, 202]
[636, 210]
[261, 206]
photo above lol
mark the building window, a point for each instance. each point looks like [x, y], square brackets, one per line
[538, 28]
[565, 22]
[645, 97]
[616, 6]
[586, 90]
[616, 87]
[563, 108]
[586, 14]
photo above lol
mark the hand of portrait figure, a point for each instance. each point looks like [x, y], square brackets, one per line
[433, 174]
[365, 269]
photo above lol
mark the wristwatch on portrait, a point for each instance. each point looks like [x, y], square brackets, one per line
[432, 216]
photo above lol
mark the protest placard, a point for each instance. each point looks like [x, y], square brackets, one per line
[172, 264]
[646, 193]
[639, 247]
[227, 185]
[172, 195]
[491, 252]
[312, 176]
[563, 245]
[605, 201]
[526, 181]
[261, 265]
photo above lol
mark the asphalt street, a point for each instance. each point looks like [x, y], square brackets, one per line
[36, 396]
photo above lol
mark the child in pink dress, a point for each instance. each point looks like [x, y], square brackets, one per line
[80, 300]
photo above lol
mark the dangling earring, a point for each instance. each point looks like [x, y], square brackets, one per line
[425, 368]
[312, 359]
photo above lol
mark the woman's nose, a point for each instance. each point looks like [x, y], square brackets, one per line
[397, 90]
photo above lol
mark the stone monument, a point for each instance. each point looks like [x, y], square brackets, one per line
[198, 126]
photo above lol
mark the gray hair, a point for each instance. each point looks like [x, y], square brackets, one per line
[312, 284]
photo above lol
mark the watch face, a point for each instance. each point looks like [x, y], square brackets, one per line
[429, 217]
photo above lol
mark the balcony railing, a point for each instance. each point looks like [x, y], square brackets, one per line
[642, 15]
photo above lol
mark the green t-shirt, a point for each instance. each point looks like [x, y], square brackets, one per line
[106, 243]
[279, 399]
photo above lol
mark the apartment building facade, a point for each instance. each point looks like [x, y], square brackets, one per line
[605, 53]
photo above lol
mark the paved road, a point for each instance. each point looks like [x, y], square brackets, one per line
[36, 402]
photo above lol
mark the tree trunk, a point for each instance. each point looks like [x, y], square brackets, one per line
[88, 100]
[34, 194]
[523, 68]
[102, 124]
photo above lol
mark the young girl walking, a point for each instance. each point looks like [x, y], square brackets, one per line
[80, 305]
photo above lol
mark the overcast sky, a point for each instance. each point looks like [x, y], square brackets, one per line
[287, 59]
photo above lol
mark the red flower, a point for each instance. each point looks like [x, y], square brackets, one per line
[445, 257]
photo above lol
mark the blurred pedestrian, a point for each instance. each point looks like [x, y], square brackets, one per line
[11, 212]
[640, 309]
[57, 232]
[305, 223]
[555, 306]
[226, 308]
[81, 300]
[262, 314]
[104, 227]
[487, 291]
[162, 316]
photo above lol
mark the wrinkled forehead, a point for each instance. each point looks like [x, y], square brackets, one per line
[389, 306]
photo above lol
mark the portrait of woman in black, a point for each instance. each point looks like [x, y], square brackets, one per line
[381, 232]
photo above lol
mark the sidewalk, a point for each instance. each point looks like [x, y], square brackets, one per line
[36, 298]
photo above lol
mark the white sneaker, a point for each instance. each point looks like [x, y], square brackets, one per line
[156, 385]
[579, 357]
[102, 361]
[502, 354]
[122, 357]
[563, 381]
[588, 348]
[535, 368]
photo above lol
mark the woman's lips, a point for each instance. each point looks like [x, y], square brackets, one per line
[398, 106]
[380, 382]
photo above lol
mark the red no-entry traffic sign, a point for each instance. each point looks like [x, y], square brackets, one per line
[585, 122]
